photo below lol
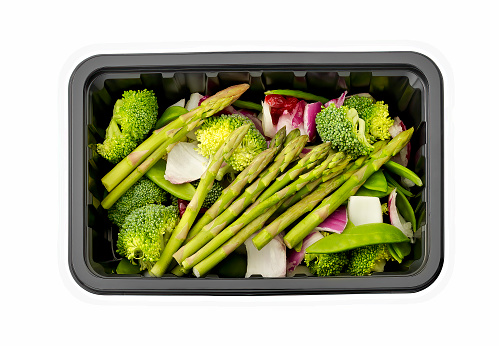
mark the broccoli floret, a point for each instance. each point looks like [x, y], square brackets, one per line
[378, 121]
[367, 259]
[143, 192]
[144, 233]
[213, 194]
[344, 129]
[215, 131]
[326, 264]
[134, 115]
[360, 103]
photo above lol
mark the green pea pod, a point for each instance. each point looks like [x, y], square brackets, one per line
[399, 250]
[403, 172]
[157, 174]
[362, 191]
[405, 209]
[298, 94]
[377, 182]
[247, 105]
[170, 114]
[126, 267]
[399, 187]
[357, 236]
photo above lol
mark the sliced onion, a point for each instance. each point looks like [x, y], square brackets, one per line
[269, 129]
[337, 102]
[193, 101]
[270, 261]
[336, 222]
[364, 209]
[311, 111]
[296, 257]
[396, 219]
[184, 164]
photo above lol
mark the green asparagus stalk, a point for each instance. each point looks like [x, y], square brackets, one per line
[180, 232]
[258, 208]
[304, 206]
[232, 191]
[207, 108]
[331, 203]
[252, 192]
[203, 267]
[291, 136]
[173, 137]
[312, 158]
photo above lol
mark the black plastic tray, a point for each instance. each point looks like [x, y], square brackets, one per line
[409, 82]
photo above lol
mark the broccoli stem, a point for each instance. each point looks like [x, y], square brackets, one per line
[207, 108]
[182, 229]
[331, 203]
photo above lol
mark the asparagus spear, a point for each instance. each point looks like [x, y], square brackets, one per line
[207, 108]
[330, 204]
[173, 137]
[234, 189]
[192, 210]
[258, 208]
[203, 267]
[252, 192]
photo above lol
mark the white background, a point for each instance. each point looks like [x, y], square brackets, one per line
[43, 41]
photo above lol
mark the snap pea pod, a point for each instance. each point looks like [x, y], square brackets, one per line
[298, 94]
[405, 209]
[170, 114]
[399, 250]
[157, 175]
[404, 172]
[394, 183]
[376, 182]
[357, 236]
[247, 105]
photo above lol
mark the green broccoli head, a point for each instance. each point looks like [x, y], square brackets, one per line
[215, 131]
[134, 115]
[144, 233]
[344, 129]
[326, 264]
[360, 102]
[367, 259]
[378, 121]
[143, 192]
[213, 194]
[136, 112]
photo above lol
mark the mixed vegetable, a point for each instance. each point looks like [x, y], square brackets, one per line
[300, 184]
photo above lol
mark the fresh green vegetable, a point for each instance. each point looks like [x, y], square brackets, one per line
[170, 114]
[133, 117]
[141, 193]
[176, 128]
[378, 121]
[361, 103]
[216, 130]
[326, 264]
[298, 94]
[156, 174]
[399, 250]
[377, 182]
[344, 129]
[126, 267]
[144, 233]
[213, 194]
[405, 209]
[180, 233]
[362, 191]
[283, 159]
[367, 259]
[396, 185]
[358, 236]
[247, 105]
[349, 188]
[404, 172]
